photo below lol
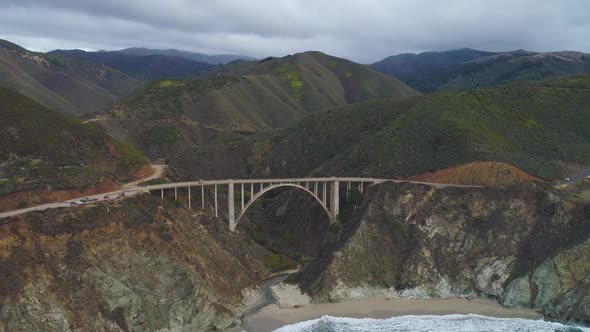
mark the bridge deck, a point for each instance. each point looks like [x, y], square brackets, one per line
[300, 181]
[294, 180]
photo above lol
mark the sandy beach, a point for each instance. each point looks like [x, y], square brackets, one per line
[379, 306]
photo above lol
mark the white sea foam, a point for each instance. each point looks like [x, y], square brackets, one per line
[447, 323]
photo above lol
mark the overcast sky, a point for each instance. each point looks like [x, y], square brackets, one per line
[361, 30]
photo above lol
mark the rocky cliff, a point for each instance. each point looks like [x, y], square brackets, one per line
[525, 246]
[126, 266]
[140, 264]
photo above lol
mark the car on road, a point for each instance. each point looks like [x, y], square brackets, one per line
[121, 195]
[85, 199]
[74, 203]
[106, 197]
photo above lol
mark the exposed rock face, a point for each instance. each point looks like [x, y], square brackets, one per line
[561, 285]
[428, 242]
[127, 267]
[133, 266]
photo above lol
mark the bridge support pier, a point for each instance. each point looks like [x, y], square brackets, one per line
[335, 201]
[231, 213]
[215, 190]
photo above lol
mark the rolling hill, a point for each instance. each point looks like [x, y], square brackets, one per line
[246, 97]
[66, 85]
[543, 128]
[43, 150]
[143, 67]
[466, 69]
[199, 57]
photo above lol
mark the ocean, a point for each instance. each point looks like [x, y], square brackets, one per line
[447, 323]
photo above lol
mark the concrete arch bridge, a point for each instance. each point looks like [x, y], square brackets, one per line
[325, 190]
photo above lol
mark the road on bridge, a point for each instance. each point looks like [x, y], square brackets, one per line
[133, 188]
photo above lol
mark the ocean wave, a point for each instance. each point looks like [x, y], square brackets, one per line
[421, 323]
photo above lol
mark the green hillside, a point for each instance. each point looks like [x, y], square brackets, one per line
[146, 67]
[66, 85]
[428, 70]
[42, 149]
[211, 59]
[538, 127]
[249, 97]
[465, 69]
[273, 93]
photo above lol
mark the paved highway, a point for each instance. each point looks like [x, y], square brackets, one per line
[133, 188]
[75, 202]
[580, 176]
[127, 190]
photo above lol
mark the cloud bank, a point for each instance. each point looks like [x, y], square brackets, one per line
[361, 30]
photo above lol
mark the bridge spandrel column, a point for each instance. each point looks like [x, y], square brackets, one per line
[231, 213]
[202, 197]
[242, 197]
[189, 198]
[215, 193]
[335, 200]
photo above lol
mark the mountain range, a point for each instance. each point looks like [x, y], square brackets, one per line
[61, 83]
[199, 57]
[466, 69]
[144, 67]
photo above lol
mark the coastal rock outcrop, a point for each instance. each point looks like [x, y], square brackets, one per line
[560, 286]
[422, 242]
[127, 266]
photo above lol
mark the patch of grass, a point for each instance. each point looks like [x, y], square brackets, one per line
[160, 134]
[170, 83]
[34, 222]
[259, 154]
[296, 84]
[153, 182]
[277, 262]
[131, 158]
[247, 132]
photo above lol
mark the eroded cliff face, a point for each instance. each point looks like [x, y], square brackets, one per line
[560, 286]
[134, 265]
[127, 266]
[425, 242]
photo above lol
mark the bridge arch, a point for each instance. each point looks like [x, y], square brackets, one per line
[275, 186]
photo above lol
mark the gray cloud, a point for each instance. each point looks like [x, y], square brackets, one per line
[362, 30]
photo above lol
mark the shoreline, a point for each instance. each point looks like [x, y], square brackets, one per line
[379, 306]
